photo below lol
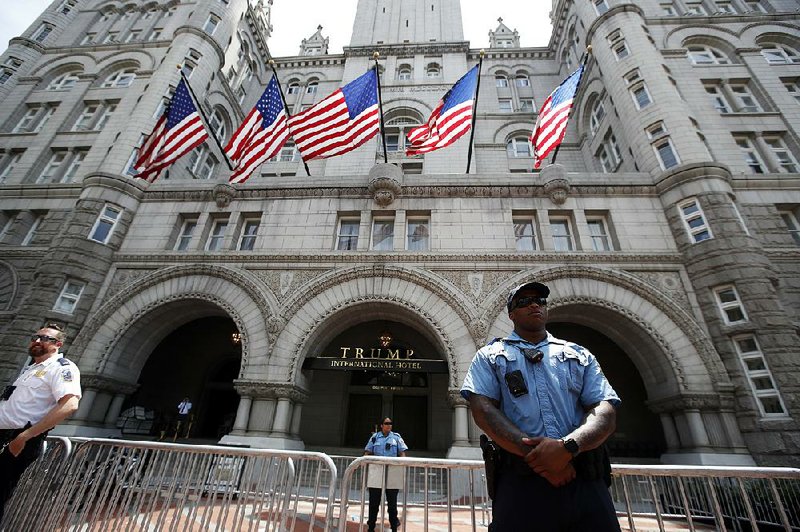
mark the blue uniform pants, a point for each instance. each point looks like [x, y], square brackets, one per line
[528, 502]
[375, 506]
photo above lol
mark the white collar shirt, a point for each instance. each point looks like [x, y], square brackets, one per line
[38, 389]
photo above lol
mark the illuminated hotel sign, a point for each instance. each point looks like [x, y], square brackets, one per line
[376, 359]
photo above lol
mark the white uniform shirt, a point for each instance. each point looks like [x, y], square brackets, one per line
[38, 389]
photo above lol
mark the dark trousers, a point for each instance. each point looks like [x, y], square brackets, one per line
[375, 506]
[529, 502]
[12, 467]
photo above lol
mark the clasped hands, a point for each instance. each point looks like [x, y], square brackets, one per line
[550, 459]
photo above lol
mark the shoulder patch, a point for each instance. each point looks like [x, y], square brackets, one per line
[66, 375]
[64, 362]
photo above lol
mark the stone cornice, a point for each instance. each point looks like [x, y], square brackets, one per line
[106, 384]
[309, 61]
[356, 257]
[693, 401]
[512, 53]
[388, 50]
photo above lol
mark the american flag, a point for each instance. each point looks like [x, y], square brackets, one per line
[341, 122]
[449, 121]
[177, 132]
[262, 134]
[552, 121]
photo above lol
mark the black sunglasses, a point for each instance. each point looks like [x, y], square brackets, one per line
[43, 338]
[387, 423]
[528, 301]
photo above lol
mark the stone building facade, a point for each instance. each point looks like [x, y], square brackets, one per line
[668, 229]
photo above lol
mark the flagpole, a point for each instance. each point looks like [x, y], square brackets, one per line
[584, 59]
[375, 56]
[205, 119]
[474, 111]
[285, 109]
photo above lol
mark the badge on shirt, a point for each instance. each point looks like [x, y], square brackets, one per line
[66, 375]
[40, 373]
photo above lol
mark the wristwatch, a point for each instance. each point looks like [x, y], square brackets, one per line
[571, 446]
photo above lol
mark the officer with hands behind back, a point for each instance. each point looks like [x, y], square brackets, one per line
[548, 408]
[45, 393]
[383, 443]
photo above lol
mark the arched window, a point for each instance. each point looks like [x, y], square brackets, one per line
[398, 123]
[63, 82]
[217, 123]
[705, 55]
[433, 71]
[519, 146]
[121, 78]
[404, 73]
[522, 80]
[311, 87]
[778, 54]
[500, 80]
[293, 87]
[596, 115]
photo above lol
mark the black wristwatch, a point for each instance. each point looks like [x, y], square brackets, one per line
[571, 446]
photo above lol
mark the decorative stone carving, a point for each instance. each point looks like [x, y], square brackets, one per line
[123, 278]
[385, 183]
[223, 195]
[685, 402]
[104, 384]
[475, 283]
[454, 399]
[668, 283]
[478, 330]
[8, 286]
[556, 184]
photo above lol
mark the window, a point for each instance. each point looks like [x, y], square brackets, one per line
[751, 156]
[718, 99]
[793, 88]
[63, 82]
[500, 80]
[111, 37]
[66, 6]
[667, 156]
[792, 224]
[185, 237]
[695, 8]
[609, 154]
[32, 230]
[756, 6]
[312, 86]
[704, 55]
[211, 24]
[35, 118]
[525, 233]
[639, 93]
[383, 234]
[202, 162]
[105, 224]
[730, 305]
[94, 116]
[399, 122]
[505, 105]
[522, 80]
[247, 241]
[241, 95]
[600, 6]
[740, 218]
[599, 234]
[8, 161]
[780, 55]
[13, 62]
[759, 376]
[526, 105]
[134, 35]
[41, 34]
[5, 75]
[418, 233]
[620, 50]
[519, 147]
[294, 88]
[726, 7]
[744, 102]
[150, 13]
[433, 71]
[63, 166]
[694, 221]
[562, 236]
[164, 101]
[122, 78]
[155, 34]
[6, 227]
[217, 236]
[347, 236]
[288, 153]
[89, 38]
[668, 10]
[217, 123]
[781, 154]
[404, 73]
[597, 115]
[69, 296]
[190, 62]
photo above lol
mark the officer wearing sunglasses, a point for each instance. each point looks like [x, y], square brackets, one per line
[548, 410]
[384, 442]
[45, 393]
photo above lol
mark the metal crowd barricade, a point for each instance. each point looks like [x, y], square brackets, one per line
[707, 498]
[436, 493]
[110, 485]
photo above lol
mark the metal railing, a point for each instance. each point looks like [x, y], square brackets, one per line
[435, 492]
[719, 498]
[118, 485]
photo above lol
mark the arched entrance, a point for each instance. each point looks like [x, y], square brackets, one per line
[373, 369]
[198, 360]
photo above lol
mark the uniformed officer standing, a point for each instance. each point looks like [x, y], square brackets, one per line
[384, 443]
[547, 404]
[45, 393]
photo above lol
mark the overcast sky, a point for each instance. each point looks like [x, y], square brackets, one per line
[292, 22]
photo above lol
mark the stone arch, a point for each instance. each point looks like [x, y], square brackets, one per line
[502, 134]
[108, 336]
[676, 37]
[646, 310]
[775, 37]
[9, 284]
[80, 63]
[436, 304]
[414, 104]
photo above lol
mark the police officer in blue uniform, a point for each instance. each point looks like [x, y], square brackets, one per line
[384, 443]
[547, 405]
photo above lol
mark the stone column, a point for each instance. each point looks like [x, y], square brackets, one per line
[85, 405]
[113, 411]
[670, 432]
[242, 414]
[296, 418]
[697, 430]
[460, 418]
[283, 417]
